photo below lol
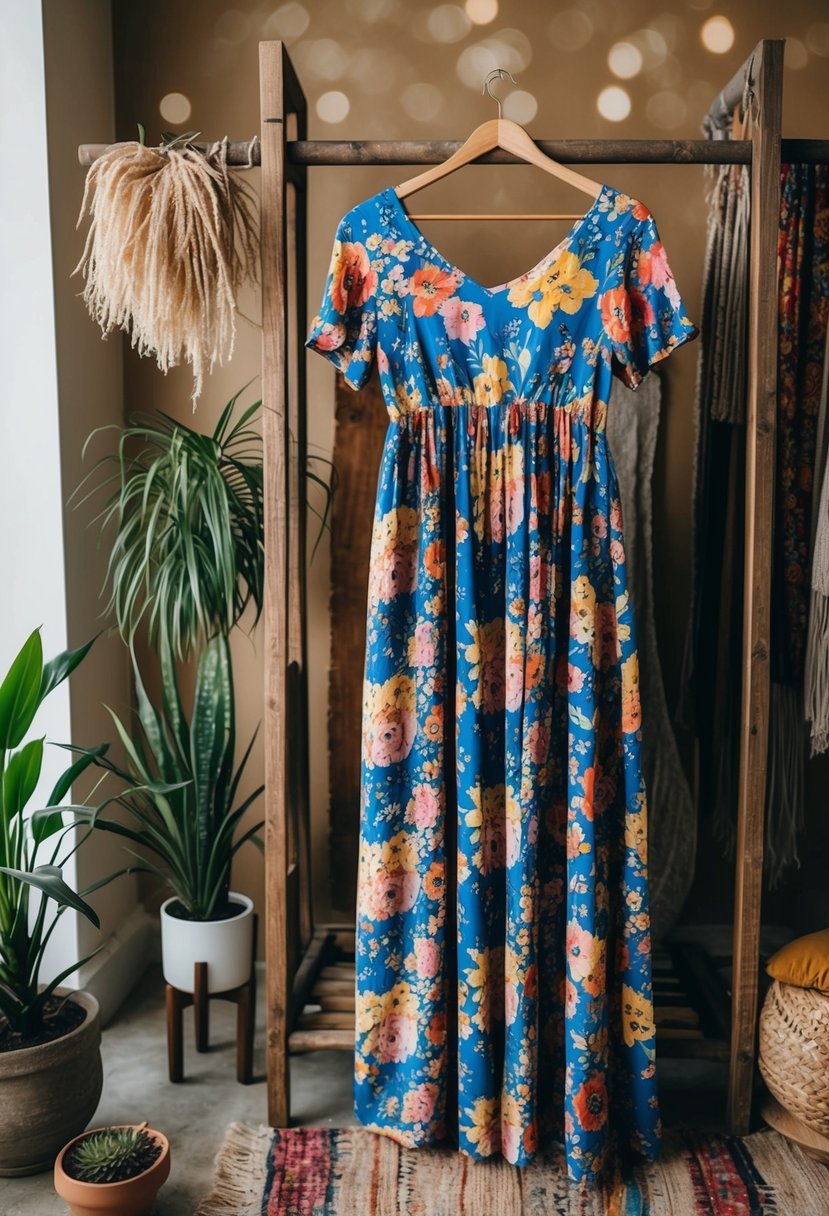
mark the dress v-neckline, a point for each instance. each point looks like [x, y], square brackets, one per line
[534, 272]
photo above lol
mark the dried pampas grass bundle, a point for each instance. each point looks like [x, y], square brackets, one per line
[173, 237]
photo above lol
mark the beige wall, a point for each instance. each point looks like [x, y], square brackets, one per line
[376, 52]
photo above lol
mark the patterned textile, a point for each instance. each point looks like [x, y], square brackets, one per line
[803, 308]
[318, 1171]
[503, 949]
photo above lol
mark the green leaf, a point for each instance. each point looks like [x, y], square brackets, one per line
[57, 669]
[20, 692]
[21, 777]
[49, 880]
[67, 779]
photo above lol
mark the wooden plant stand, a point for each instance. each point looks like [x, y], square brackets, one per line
[243, 997]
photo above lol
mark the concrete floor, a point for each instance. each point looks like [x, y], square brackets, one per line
[195, 1114]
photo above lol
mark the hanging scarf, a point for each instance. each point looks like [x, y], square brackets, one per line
[817, 641]
[803, 307]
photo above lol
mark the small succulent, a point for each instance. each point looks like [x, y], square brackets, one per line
[112, 1154]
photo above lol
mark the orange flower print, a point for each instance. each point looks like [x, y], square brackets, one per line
[615, 306]
[590, 1102]
[433, 881]
[353, 281]
[429, 286]
[653, 269]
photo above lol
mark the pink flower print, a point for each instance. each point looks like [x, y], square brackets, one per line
[390, 735]
[515, 682]
[582, 951]
[462, 319]
[496, 517]
[575, 679]
[424, 806]
[389, 892]
[399, 570]
[617, 552]
[616, 515]
[510, 1141]
[419, 1103]
[396, 1039]
[427, 956]
[423, 650]
[382, 360]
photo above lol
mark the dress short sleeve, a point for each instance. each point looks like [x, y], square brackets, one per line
[345, 328]
[644, 317]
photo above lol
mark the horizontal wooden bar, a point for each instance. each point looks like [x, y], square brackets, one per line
[320, 1040]
[567, 151]
[319, 152]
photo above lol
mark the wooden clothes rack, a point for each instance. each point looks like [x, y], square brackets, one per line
[298, 952]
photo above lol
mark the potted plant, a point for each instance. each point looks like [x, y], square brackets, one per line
[180, 794]
[113, 1171]
[50, 1060]
[184, 521]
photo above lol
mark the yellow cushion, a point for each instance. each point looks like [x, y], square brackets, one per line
[804, 962]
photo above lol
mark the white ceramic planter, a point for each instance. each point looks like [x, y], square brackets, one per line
[225, 945]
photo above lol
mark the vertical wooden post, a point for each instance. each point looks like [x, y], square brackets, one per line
[760, 463]
[275, 625]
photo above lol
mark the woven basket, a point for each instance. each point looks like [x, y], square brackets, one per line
[794, 1052]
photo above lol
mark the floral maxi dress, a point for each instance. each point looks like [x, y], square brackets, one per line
[503, 976]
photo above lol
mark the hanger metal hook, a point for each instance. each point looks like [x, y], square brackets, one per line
[500, 73]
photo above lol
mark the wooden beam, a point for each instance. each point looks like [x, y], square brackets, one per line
[274, 273]
[242, 155]
[766, 116]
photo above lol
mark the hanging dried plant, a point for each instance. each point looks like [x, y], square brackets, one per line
[173, 237]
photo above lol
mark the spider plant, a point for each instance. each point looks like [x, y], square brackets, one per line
[24, 838]
[187, 515]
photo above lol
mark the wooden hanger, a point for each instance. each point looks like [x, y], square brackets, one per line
[497, 133]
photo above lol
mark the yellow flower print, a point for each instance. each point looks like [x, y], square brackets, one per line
[485, 1129]
[637, 1016]
[492, 382]
[563, 285]
[486, 979]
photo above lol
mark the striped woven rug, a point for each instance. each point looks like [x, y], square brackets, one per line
[318, 1171]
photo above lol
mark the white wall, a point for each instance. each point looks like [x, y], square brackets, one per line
[31, 527]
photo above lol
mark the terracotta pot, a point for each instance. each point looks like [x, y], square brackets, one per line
[49, 1092]
[225, 945]
[132, 1197]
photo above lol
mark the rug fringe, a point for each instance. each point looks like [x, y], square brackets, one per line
[241, 1171]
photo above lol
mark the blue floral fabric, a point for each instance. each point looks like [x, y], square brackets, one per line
[503, 950]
